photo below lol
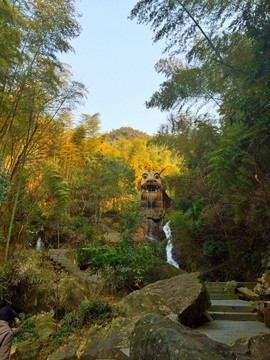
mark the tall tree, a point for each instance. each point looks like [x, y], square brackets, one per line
[34, 85]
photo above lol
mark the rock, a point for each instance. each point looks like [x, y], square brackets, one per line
[105, 343]
[247, 294]
[66, 352]
[71, 294]
[184, 295]
[156, 337]
[260, 311]
[255, 347]
[266, 313]
[27, 350]
[231, 286]
[262, 288]
[43, 326]
[162, 272]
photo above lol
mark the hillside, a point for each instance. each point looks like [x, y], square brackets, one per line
[127, 133]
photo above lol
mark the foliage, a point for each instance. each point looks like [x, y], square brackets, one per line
[4, 293]
[95, 311]
[59, 189]
[65, 328]
[31, 275]
[34, 87]
[27, 328]
[123, 265]
[126, 133]
[130, 219]
[224, 66]
[4, 182]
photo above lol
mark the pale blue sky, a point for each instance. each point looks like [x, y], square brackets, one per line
[115, 59]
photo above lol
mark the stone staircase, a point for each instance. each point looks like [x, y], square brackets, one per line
[59, 259]
[225, 304]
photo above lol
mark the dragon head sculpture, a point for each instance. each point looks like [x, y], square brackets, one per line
[152, 189]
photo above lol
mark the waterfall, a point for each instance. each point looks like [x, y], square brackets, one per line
[40, 244]
[169, 247]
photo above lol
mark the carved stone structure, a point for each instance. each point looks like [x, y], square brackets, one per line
[154, 201]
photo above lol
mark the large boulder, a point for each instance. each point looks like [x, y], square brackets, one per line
[247, 294]
[66, 352]
[156, 337]
[255, 347]
[107, 342]
[161, 272]
[262, 287]
[36, 333]
[184, 295]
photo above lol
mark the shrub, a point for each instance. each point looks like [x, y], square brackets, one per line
[94, 311]
[66, 327]
[123, 265]
[27, 281]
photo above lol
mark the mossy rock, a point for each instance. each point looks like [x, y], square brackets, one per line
[66, 352]
[44, 326]
[161, 272]
[28, 349]
[158, 338]
[184, 295]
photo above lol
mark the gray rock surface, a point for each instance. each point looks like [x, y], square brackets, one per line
[255, 347]
[262, 287]
[162, 272]
[156, 337]
[66, 352]
[105, 343]
[247, 294]
[184, 295]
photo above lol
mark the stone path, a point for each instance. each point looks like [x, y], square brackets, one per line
[59, 257]
[233, 318]
[227, 332]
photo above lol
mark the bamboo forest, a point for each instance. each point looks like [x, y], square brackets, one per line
[122, 244]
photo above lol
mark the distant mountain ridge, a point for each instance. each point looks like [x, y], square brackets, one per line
[127, 133]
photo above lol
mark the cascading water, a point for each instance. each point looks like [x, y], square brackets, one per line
[169, 247]
[40, 244]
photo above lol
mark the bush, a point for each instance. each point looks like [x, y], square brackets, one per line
[66, 327]
[95, 311]
[28, 281]
[124, 265]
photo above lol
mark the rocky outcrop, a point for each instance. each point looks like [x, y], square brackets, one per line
[231, 286]
[184, 295]
[162, 272]
[99, 342]
[105, 343]
[262, 287]
[158, 338]
[247, 294]
[255, 347]
[41, 328]
[66, 352]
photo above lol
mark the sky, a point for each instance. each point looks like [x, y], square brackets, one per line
[115, 58]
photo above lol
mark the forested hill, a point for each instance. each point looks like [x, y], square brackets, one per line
[127, 133]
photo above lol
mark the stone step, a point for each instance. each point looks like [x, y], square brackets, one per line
[232, 306]
[219, 291]
[215, 284]
[223, 296]
[234, 316]
[219, 285]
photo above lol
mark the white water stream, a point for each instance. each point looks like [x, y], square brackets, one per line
[169, 247]
[40, 244]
